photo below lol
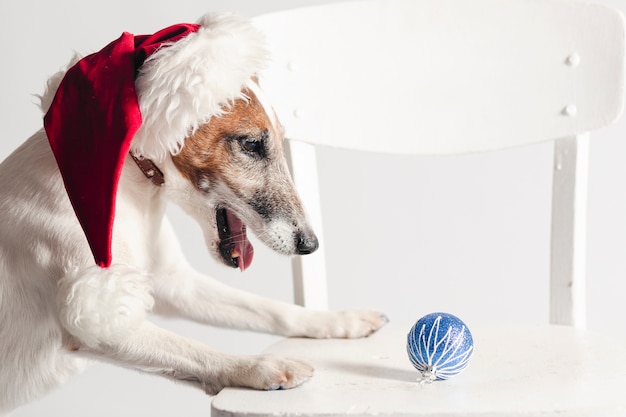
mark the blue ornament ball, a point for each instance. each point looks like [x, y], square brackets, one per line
[440, 346]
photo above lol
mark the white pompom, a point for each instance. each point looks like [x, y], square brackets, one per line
[103, 305]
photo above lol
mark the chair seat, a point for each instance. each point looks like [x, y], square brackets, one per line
[516, 370]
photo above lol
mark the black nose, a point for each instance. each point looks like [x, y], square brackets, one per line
[306, 243]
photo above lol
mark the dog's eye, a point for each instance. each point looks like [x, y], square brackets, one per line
[251, 145]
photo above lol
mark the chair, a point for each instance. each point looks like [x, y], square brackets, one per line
[507, 73]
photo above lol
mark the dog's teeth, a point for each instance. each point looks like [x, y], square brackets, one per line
[234, 254]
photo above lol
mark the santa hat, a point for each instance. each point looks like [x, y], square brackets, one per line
[144, 94]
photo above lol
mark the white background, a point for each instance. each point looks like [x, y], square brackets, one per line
[467, 235]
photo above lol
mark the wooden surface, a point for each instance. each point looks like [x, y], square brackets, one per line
[444, 76]
[515, 371]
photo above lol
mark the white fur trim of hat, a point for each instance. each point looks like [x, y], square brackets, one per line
[181, 86]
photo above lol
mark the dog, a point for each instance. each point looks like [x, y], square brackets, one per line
[86, 251]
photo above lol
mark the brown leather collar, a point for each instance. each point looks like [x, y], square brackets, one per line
[149, 169]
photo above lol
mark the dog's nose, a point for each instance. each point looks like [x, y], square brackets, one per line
[306, 243]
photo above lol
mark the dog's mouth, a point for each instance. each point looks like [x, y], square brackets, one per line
[234, 246]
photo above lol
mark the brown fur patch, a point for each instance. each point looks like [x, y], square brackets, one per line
[208, 153]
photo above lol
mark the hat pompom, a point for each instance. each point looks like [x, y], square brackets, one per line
[181, 86]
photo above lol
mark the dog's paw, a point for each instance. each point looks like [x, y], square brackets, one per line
[348, 324]
[263, 372]
[273, 372]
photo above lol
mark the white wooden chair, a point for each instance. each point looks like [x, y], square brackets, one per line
[460, 76]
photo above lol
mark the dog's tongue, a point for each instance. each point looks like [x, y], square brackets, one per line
[243, 248]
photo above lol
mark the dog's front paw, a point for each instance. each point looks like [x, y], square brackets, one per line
[263, 372]
[348, 324]
[271, 372]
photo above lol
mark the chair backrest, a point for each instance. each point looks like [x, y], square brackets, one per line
[440, 77]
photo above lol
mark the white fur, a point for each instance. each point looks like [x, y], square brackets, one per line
[170, 79]
[103, 305]
[57, 308]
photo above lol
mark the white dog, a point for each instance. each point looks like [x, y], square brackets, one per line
[175, 116]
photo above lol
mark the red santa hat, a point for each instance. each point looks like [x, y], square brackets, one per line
[144, 94]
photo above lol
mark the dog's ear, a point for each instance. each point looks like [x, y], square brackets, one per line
[91, 123]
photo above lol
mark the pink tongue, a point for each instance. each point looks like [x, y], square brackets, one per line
[243, 247]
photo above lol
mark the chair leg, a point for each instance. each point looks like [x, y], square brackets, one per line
[309, 272]
[569, 226]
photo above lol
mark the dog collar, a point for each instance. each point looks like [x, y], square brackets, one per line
[149, 169]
